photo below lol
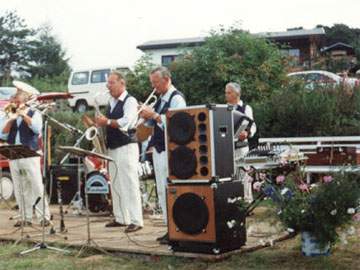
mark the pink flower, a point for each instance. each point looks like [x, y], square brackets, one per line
[304, 187]
[356, 217]
[280, 179]
[257, 186]
[327, 178]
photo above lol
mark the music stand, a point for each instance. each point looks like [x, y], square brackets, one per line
[79, 152]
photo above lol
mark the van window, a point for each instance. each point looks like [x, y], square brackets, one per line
[80, 78]
[99, 76]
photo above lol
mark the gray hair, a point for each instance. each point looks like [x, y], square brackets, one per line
[235, 87]
[118, 74]
[164, 72]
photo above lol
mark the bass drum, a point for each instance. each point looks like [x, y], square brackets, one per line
[97, 202]
[6, 187]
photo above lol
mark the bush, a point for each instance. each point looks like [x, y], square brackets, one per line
[295, 112]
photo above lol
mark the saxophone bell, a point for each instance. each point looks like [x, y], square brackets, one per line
[91, 133]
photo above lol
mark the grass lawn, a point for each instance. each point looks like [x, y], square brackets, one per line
[285, 255]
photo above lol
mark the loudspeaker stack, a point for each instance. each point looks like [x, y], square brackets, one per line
[202, 196]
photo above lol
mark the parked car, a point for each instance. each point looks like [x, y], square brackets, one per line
[6, 185]
[85, 84]
[321, 78]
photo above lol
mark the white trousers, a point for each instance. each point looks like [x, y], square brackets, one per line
[245, 178]
[125, 187]
[28, 187]
[161, 174]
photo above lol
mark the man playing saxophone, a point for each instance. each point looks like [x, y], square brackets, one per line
[123, 148]
[24, 126]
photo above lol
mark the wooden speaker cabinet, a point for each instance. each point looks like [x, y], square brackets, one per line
[200, 144]
[205, 218]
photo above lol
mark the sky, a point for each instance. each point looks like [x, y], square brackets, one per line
[101, 33]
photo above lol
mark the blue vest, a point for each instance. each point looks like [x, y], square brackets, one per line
[158, 138]
[27, 136]
[114, 137]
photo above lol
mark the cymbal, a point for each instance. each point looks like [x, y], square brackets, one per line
[83, 153]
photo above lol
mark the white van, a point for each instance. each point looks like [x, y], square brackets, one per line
[85, 84]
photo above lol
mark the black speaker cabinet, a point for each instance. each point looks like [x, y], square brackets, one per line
[200, 144]
[67, 176]
[205, 218]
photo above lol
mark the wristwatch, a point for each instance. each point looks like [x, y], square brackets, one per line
[108, 122]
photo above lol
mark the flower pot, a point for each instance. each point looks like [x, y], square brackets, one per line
[310, 246]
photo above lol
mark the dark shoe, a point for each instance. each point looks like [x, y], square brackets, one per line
[165, 236]
[114, 224]
[22, 223]
[164, 240]
[132, 228]
[46, 223]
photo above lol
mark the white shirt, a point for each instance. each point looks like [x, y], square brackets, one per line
[130, 109]
[249, 113]
[176, 102]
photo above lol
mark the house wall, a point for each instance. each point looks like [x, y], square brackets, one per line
[157, 54]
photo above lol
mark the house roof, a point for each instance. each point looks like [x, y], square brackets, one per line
[171, 43]
[296, 33]
[194, 41]
[337, 46]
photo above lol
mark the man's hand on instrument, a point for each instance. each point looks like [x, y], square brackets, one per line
[147, 112]
[101, 121]
[243, 135]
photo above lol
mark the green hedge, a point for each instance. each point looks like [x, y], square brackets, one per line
[293, 111]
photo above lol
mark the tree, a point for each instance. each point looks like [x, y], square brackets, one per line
[28, 53]
[14, 45]
[47, 57]
[229, 55]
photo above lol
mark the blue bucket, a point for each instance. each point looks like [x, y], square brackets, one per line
[311, 247]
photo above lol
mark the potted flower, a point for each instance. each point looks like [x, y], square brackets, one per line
[317, 211]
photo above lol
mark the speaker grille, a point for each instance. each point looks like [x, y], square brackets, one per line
[191, 215]
[183, 162]
[181, 128]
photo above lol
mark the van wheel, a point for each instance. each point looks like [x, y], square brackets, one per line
[6, 186]
[81, 106]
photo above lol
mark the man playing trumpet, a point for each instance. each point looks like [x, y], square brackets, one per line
[170, 97]
[122, 147]
[24, 127]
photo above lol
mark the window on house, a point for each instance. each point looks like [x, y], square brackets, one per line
[166, 60]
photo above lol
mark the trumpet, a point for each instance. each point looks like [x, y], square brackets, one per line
[12, 109]
[137, 121]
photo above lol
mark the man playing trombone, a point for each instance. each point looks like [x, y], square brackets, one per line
[160, 79]
[23, 126]
[122, 147]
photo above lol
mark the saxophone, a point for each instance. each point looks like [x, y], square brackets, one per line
[94, 133]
